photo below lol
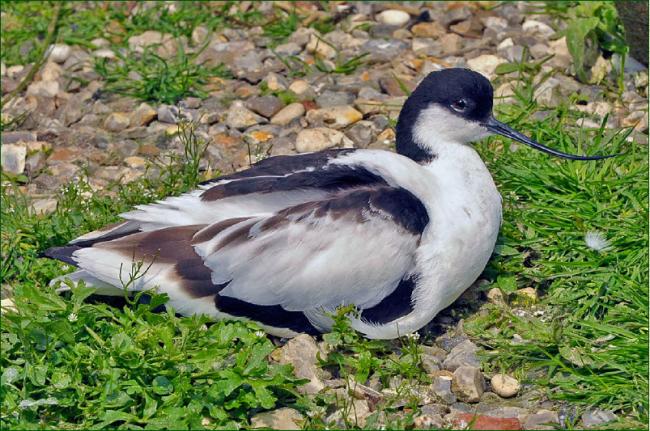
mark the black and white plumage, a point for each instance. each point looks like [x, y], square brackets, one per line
[286, 242]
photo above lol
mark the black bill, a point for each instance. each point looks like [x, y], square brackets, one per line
[499, 128]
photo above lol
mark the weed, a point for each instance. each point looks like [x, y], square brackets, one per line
[157, 79]
[280, 29]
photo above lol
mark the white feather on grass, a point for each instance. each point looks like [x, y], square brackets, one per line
[597, 241]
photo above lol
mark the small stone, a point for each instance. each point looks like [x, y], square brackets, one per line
[546, 93]
[450, 43]
[384, 50]
[362, 133]
[135, 162]
[467, 384]
[258, 136]
[356, 413]
[441, 386]
[462, 354]
[428, 29]
[483, 422]
[300, 87]
[142, 116]
[280, 419]
[542, 420]
[44, 206]
[495, 296]
[561, 57]
[116, 122]
[537, 27]
[287, 114]
[200, 35]
[394, 87]
[43, 89]
[13, 158]
[59, 53]
[238, 117]
[393, 17]
[139, 42]
[191, 103]
[289, 48]
[18, 136]
[433, 421]
[529, 294]
[168, 114]
[485, 64]
[320, 138]
[504, 385]
[336, 117]
[596, 417]
[319, 46]
[301, 352]
[334, 98]
[275, 82]
[266, 106]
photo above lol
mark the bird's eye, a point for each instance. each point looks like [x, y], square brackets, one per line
[459, 105]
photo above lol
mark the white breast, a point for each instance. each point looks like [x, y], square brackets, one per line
[464, 209]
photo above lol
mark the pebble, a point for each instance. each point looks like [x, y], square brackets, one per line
[281, 419]
[542, 420]
[43, 89]
[484, 422]
[336, 117]
[334, 98]
[199, 35]
[44, 206]
[450, 43]
[266, 106]
[13, 158]
[139, 42]
[355, 412]
[116, 122]
[135, 162]
[240, 118]
[463, 354]
[504, 385]
[467, 384]
[143, 115]
[287, 114]
[596, 417]
[428, 29]
[320, 138]
[301, 352]
[18, 136]
[168, 114]
[486, 64]
[59, 53]
[319, 46]
[393, 17]
[537, 27]
[289, 48]
[433, 421]
[495, 296]
[441, 386]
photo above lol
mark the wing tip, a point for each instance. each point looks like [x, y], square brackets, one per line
[64, 254]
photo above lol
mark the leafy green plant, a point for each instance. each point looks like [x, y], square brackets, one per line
[592, 26]
[158, 79]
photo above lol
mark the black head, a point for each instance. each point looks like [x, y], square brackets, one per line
[454, 106]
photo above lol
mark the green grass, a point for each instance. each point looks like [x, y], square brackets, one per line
[72, 362]
[158, 79]
[591, 343]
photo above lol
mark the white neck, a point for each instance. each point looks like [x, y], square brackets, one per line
[440, 132]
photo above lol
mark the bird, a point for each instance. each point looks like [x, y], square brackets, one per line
[396, 235]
